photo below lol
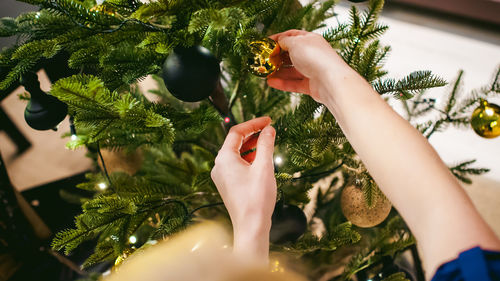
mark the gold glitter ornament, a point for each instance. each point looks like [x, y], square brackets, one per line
[485, 120]
[356, 210]
[265, 57]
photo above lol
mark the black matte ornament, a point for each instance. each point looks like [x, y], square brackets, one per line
[288, 223]
[43, 112]
[191, 74]
[357, 1]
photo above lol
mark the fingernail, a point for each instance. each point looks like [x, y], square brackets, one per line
[268, 130]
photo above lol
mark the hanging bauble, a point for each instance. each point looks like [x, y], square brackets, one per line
[264, 57]
[104, 9]
[357, 1]
[485, 120]
[119, 160]
[125, 254]
[288, 223]
[43, 112]
[191, 74]
[248, 149]
[356, 210]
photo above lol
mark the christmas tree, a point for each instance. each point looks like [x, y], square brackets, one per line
[108, 47]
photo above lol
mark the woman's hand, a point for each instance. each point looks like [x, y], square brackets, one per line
[248, 190]
[312, 58]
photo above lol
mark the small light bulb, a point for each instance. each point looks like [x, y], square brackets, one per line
[489, 112]
[132, 239]
[74, 137]
[226, 120]
[102, 185]
[278, 160]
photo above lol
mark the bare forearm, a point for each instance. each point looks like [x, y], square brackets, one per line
[407, 169]
[252, 240]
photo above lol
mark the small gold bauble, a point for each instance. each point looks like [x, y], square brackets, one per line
[125, 254]
[265, 57]
[356, 210]
[485, 120]
[103, 9]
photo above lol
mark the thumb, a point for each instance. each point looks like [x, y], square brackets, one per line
[265, 145]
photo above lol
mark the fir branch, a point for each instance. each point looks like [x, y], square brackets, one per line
[336, 34]
[463, 170]
[389, 240]
[341, 235]
[364, 28]
[169, 226]
[495, 85]
[409, 85]
[27, 56]
[399, 276]
[103, 251]
[109, 117]
[371, 192]
[323, 11]
[8, 27]
[94, 220]
[454, 92]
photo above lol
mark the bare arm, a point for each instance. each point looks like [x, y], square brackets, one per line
[402, 162]
[248, 190]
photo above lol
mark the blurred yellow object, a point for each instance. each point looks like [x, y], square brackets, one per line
[198, 253]
[126, 253]
[485, 120]
[276, 266]
[103, 9]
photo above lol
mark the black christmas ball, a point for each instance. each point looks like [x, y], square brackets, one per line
[288, 223]
[43, 112]
[357, 1]
[191, 74]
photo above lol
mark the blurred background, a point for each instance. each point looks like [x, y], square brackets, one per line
[444, 36]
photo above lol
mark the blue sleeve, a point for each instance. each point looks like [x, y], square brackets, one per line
[471, 265]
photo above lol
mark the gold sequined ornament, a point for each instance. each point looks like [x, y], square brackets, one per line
[125, 254]
[485, 120]
[264, 58]
[356, 210]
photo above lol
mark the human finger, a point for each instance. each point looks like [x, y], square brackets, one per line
[238, 133]
[292, 32]
[287, 43]
[285, 58]
[297, 86]
[287, 73]
[265, 145]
